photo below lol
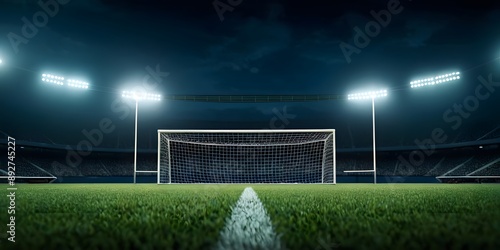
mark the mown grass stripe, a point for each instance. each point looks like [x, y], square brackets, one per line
[249, 226]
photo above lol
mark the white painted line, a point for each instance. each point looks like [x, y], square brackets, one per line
[249, 226]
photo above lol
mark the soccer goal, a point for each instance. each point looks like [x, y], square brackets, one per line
[246, 156]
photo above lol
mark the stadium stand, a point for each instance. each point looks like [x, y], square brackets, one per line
[40, 160]
[477, 162]
[493, 170]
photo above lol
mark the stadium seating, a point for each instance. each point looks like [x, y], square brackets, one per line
[448, 162]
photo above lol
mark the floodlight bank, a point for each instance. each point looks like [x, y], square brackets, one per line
[141, 96]
[367, 95]
[436, 80]
[53, 79]
[249, 226]
[78, 84]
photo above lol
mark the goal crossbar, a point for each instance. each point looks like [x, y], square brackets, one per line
[234, 131]
[359, 171]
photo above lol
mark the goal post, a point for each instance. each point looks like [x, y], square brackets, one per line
[246, 156]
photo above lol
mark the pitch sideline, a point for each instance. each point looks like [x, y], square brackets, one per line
[249, 226]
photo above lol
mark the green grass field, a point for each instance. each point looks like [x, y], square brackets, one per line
[344, 216]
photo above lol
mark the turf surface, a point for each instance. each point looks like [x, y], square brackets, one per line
[403, 216]
[344, 216]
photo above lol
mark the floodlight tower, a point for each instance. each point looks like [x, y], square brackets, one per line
[139, 96]
[364, 96]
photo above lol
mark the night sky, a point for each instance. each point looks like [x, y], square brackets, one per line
[248, 48]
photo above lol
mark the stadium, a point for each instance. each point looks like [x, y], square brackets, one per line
[249, 125]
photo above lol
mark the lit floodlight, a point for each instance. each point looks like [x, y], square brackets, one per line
[1, 61]
[435, 80]
[367, 95]
[53, 79]
[141, 96]
[78, 84]
[138, 96]
[363, 96]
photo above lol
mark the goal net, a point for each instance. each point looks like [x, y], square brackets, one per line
[246, 156]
